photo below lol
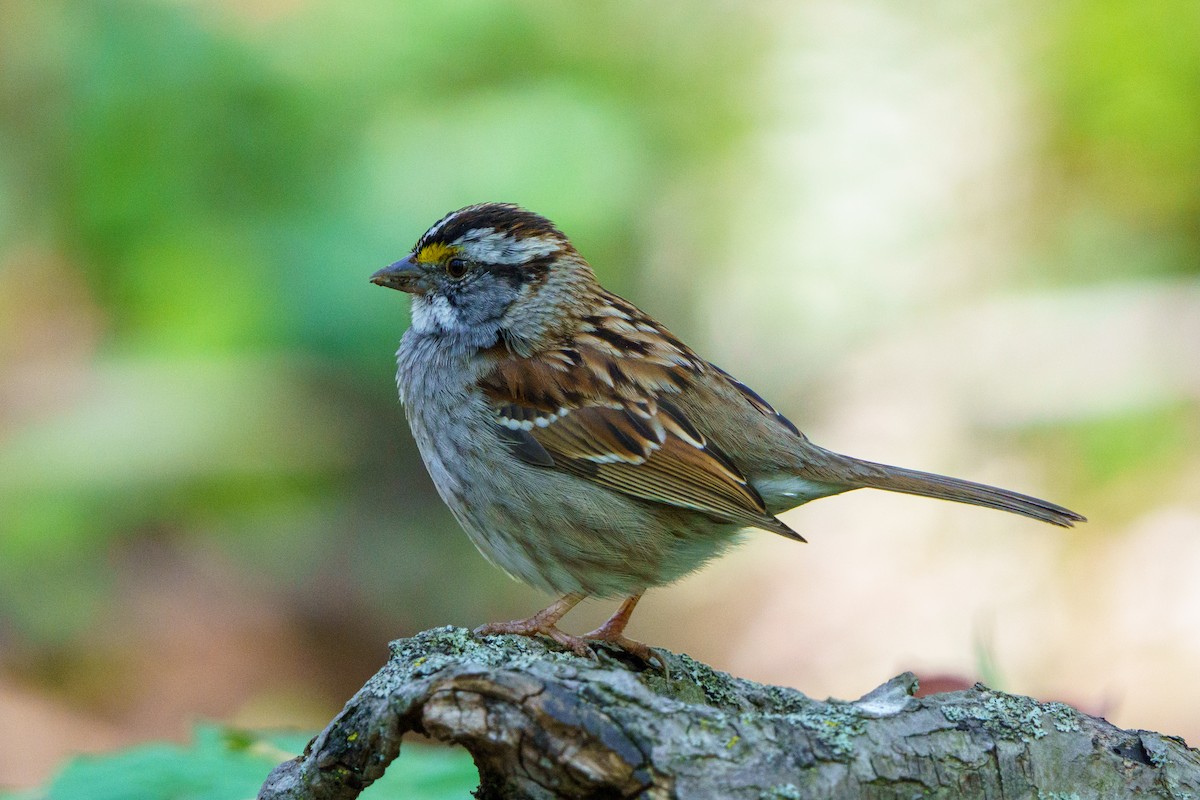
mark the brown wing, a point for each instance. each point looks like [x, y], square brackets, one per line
[601, 410]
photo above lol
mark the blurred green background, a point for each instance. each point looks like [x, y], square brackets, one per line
[960, 238]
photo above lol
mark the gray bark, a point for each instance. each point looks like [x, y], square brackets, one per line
[543, 723]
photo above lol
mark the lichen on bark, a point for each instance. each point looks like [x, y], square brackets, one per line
[541, 722]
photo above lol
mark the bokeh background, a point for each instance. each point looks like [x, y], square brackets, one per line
[959, 237]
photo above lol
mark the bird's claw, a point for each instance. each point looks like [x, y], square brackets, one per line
[636, 649]
[535, 627]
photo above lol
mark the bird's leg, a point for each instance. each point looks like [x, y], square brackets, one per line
[614, 627]
[613, 632]
[545, 622]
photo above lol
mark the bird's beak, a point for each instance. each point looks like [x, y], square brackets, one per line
[402, 275]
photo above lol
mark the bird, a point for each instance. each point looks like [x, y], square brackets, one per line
[585, 449]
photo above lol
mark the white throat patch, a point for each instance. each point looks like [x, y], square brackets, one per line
[432, 313]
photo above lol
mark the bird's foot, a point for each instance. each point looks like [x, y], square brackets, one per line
[534, 627]
[544, 623]
[636, 649]
[613, 632]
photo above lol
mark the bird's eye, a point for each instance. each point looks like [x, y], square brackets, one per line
[457, 267]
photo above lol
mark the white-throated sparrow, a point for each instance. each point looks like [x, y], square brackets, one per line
[585, 449]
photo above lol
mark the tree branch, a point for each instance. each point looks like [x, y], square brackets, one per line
[543, 723]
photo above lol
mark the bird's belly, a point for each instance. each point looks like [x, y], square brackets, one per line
[551, 530]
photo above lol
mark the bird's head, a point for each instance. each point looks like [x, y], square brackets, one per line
[491, 268]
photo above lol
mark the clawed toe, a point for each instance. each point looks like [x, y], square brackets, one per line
[519, 627]
[544, 623]
[573, 643]
[636, 649]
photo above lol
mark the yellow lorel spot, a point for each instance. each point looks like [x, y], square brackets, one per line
[434, 253]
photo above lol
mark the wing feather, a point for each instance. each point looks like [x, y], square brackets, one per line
[601, 410]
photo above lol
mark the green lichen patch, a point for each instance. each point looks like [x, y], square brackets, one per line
[433, 650]
[676, 687]
[1013, 717]
[780, 699]
[1064, 718]
[716, 688]
[835, 723]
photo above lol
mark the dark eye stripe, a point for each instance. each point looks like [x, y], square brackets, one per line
[534, 270]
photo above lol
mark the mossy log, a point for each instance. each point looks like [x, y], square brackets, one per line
[544, 723]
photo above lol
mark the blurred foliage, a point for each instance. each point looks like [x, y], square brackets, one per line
[1125, 462]
[225, 764]
[1119, 83]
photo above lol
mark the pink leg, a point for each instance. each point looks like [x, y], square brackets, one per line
[613, 632]
[544, 622]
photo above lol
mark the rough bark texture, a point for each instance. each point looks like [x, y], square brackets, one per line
[544, 723]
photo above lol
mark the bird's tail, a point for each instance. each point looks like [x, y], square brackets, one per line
[928, 484]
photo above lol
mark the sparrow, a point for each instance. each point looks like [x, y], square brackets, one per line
[584, 448]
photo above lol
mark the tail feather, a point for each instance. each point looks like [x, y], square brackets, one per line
[928, 484]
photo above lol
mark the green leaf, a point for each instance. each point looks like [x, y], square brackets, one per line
[224, 764]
